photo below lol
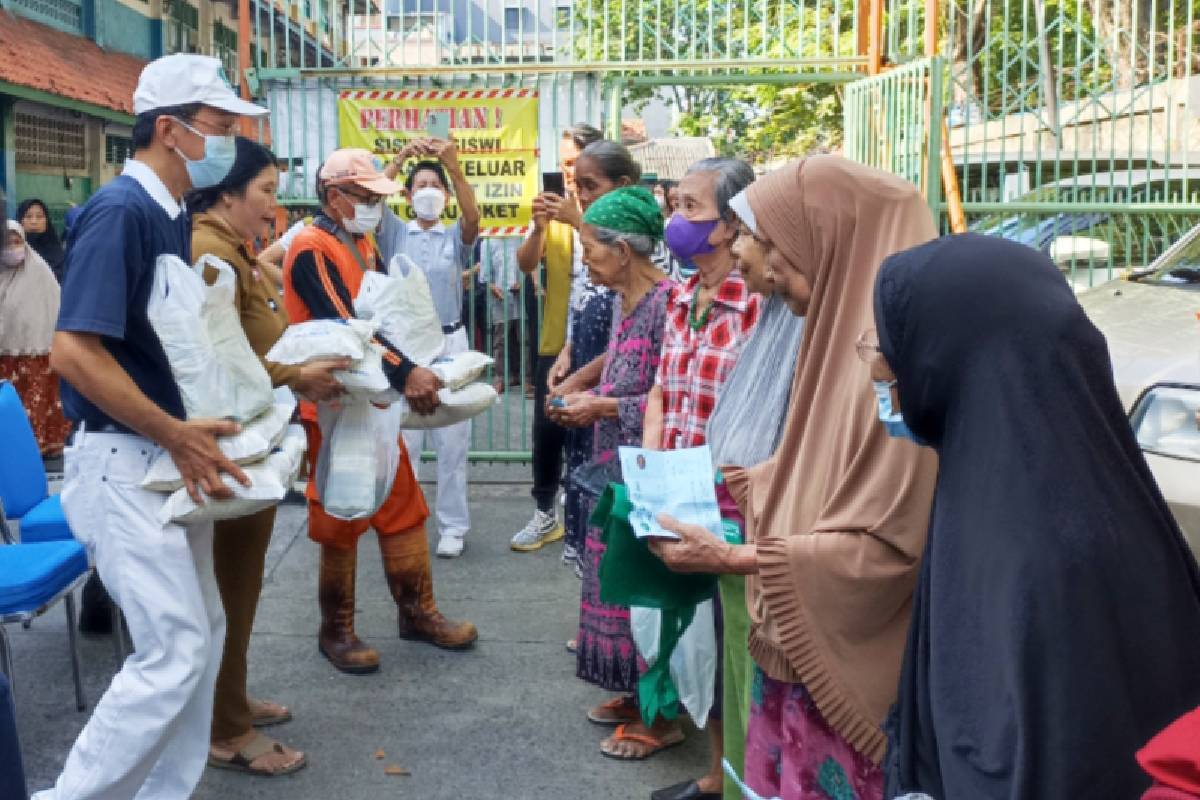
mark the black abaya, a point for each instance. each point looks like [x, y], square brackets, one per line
[1056, 623]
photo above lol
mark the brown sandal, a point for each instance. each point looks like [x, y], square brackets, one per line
[243, 760]
[620, 710]
[655, 743]
[263, 713]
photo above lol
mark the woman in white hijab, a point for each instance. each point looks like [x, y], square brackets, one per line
[28, 312]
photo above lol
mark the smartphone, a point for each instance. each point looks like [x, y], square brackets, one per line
[553, 182]
[437, 124]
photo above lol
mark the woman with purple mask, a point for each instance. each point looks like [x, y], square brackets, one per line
[709, 320]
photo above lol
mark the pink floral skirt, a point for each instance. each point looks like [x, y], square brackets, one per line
[793, 754]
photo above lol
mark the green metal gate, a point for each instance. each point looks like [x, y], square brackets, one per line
[1073, 125]
[893, 123]
[1070, 125]
[587, 59]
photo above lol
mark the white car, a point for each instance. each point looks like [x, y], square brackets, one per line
[1152, 323]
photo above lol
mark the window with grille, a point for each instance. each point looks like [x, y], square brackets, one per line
[65, 12]
[117, 149]
[47, 142]
[183, 27]
[225, 47]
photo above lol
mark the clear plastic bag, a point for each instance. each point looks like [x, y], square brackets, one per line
[360, 453]
[693, 661]
[217, 372]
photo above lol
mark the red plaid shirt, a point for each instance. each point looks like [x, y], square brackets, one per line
[695, 364]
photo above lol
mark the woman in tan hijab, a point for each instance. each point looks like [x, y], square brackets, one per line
[836, 519]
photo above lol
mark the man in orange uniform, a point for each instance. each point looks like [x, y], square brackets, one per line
[321, 278]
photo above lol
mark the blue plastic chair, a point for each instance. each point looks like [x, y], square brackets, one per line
[24, 490]
[25, 497]
[33, 577]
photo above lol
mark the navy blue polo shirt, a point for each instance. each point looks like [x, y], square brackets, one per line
[111, 252]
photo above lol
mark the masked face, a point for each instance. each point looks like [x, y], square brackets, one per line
[219, 154]
[12, 256]
[688, 239]
[367, 217]
[428, 203]
[891, 417]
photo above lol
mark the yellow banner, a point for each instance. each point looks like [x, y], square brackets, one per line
[495, 130]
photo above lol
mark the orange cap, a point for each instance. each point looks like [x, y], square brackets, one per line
[357, 166]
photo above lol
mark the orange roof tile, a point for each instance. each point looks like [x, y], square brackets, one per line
[39, 57]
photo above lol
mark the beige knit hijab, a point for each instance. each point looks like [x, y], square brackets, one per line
[839, 513]
[28, 304]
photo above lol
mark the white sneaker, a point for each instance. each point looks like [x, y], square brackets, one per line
[450, 546]
[570, 555]
[542, 530]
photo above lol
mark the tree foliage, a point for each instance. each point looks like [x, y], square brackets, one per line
[757, 121]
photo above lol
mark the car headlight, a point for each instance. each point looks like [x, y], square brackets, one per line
[1165, 421]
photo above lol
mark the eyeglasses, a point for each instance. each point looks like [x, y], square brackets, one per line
[370, 199]
[867, 346]
[229, 132]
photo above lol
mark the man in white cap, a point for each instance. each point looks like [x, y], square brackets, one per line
[149, 734]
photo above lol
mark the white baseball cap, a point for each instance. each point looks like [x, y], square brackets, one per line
[184, 78]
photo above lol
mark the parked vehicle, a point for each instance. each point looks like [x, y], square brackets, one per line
[1152, 323]
[1095, 245]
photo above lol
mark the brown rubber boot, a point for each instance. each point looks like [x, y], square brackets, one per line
[335, 592]
[406, 564]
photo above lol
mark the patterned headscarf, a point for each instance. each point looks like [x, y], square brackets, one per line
[630, 209]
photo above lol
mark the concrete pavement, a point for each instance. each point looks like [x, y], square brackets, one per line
[503, 720]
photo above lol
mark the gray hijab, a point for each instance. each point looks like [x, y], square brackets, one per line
[747, 421]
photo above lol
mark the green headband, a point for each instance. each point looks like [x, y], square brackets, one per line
[630, 209]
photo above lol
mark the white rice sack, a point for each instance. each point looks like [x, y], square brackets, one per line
[217, 372]
[360, 452]
[400, 302]
[322, 338]
[365, 376]
[258, 438]
[459, 369]
[456, 406]
[270, 481]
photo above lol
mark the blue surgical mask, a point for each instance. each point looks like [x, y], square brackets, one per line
[891, 418]
[219, 154]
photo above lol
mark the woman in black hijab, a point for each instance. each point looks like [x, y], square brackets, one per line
[1056, 625]
[40, 234]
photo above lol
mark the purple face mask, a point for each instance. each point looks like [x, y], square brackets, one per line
[689, 239]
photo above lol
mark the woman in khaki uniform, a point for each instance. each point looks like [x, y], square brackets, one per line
[226, 218]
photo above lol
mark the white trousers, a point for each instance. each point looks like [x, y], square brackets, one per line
[451, 445]
[148, 736]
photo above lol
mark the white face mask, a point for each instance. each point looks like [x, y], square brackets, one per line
[367, 217]
[428, 203]
[12, 257]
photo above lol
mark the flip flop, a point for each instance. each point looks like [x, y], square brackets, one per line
[266, 718]
[656, 744]
[243, 759]
[621, 709]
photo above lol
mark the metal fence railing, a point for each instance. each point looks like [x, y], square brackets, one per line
[893, 123]
[1072, 125]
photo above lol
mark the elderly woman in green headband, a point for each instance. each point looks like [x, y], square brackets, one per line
[619, 234]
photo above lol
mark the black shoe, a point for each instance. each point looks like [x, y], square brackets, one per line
[688, 790]
[95, 612]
